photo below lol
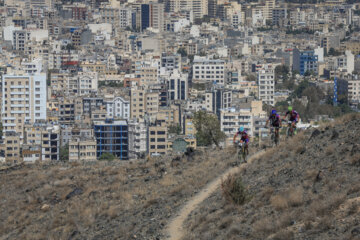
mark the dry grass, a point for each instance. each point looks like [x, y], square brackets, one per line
[355, 159]
[295, 197]
[330, 150]
[279, 202]
[110, 192]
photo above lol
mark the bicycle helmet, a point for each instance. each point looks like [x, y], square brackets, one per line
[290, 108]
[273, 112]
[241, 129]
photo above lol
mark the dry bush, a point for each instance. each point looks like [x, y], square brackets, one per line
[283, 221]
[263, 227]
[347, 118]
[354, 189]
[300, 149]
[114, 211]
[279, 202]
[234, 190]
[324, 224]
[283, 235]
[234, 231]
[226, 222]
[355, 159]
[266, 194]
[330, 150]
[295, 197]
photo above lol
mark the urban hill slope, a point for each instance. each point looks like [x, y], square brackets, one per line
[116, 200]
[308, 188]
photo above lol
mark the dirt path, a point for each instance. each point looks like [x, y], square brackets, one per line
[175, 229]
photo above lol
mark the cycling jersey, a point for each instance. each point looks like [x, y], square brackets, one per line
[244, 136]
[275, 120]
[294, 116]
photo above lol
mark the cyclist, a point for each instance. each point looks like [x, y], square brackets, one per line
[244, 138]
[293, 117]
[275, 121]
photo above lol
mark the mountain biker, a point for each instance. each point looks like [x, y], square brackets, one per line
[275, 121]
[293, 117]
[244, 138]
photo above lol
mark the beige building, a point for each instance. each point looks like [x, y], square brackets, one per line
[11, 147]
[143, 101]
[24, 100]
[158, 142]
[46, 137]
[81, 149]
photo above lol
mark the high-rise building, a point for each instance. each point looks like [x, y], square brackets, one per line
[24, 100]
[305, 61]
[218, 98]
[177, 86]
[266, 82]
[157, 16]
[112, 137]
[145, 16]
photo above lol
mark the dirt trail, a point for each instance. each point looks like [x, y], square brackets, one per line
[175, 229]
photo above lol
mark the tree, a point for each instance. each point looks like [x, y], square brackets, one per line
[64, 153]
[107, 157]
[333, 52]
[250, 78]
[208, 129]
[182, 52]
[175, 129]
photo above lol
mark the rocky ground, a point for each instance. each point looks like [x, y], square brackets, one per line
[307, 188]
[116, 200]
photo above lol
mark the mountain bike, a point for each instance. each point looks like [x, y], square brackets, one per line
[290, 130]
[275, 136]
[242, 152]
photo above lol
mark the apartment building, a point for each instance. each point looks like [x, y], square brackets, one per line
[231, 119]
[118, 108]
[207, 70]
[11, 147]
[266, 82]
[112, 137]
[137, 139]
[177, 86]
[157, 142]
[87, 83]
[189, 127]
[46, 136]
[143, 101]
[67, 111]
[218, 98]
[125, 17]
[24, 100]
[305, 61]
[82, 149]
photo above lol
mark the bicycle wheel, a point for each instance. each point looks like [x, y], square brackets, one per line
[244, 154]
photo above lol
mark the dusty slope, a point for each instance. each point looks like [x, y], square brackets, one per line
[307, 190]
[175, 229]
[102, 201]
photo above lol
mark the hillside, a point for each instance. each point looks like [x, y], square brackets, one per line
[106, 200]
[308, 188]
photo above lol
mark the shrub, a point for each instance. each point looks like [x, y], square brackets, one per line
[234, 190]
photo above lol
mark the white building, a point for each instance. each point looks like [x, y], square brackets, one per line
[207, 70]
[87, 82]
[125, 17]
[118, 108]
[266, 82]
[24, 100]
[137, 139]
[177, 85]
[232, 119]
